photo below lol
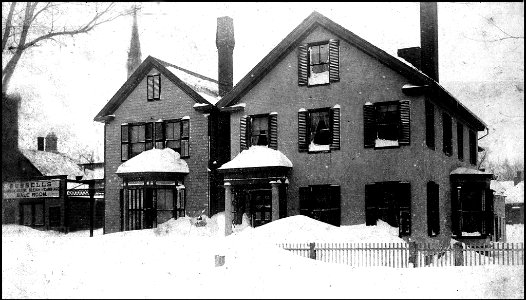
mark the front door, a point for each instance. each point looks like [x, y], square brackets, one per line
[261, 207]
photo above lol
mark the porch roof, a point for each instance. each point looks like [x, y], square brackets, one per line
[258, 157]
[154, 161]
[468, 171]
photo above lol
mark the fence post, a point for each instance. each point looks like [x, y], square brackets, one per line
[312, 252]
[413, 254]
[459, 256]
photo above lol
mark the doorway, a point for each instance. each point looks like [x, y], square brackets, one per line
[261, 207]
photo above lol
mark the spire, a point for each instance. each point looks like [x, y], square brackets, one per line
[134, 53]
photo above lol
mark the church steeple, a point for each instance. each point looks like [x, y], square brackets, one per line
[134, 53]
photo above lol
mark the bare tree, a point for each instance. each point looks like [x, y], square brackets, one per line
[29, 25]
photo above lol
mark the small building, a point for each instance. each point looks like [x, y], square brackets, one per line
[515, 204]
[499, 211]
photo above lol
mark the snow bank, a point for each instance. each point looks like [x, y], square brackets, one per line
[155, 160]
[515, 233]
[258, 156]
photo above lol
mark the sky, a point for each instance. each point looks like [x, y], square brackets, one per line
[178, 260]
[64, 85]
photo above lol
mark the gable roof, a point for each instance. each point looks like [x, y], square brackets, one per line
[315, 19]
[202, 89]
[51, 164]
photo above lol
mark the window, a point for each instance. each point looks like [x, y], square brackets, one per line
[472, 205]
[321, 202]
[460, 141]
[472, 147]
[430, 125]
[319, 129]
[32, 214]
[139, 137]
[386, 124]
[259, 130]
[153, 83]
[389, 202]
[447, 135]
[433, 219]
[318, 63]
[177, 134]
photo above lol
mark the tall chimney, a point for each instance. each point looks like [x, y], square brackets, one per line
[225, 49]
[51, 142]
[518, 178]
[429, 39]
[40, 143]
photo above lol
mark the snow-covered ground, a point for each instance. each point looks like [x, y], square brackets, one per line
[177, 260]
[515, 233]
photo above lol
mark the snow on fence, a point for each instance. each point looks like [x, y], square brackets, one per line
[403, 255]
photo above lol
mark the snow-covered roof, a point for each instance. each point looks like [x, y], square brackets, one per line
[515, 194]
[258, 156]
[155, 161]
[497, 187]
[53, 163]
[468, 171]
[206, 88]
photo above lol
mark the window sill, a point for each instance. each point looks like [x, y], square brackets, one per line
[386, 147]
[317, 84]
[318, 151]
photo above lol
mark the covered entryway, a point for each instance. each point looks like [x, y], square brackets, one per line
[153, 189]
[255, 183]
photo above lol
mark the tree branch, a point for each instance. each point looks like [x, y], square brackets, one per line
[7, 30]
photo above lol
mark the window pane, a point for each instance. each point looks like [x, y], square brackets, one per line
[387, 121]
[148, 145]
[169, 199]
[314, 55]
[184, 148]
[135, 134]
[124, 133]
[169, 131]
[124, 151]
[39, 214]
[186, 128]
[320, 133]
[156, 86]
[141, 133]
[159, 145]
[137, 148]
[148, 131]
[259, 132]
[149, 81]
[175, 145]
[324, 53]
[159, 131]
[177, 130]
[161, 196]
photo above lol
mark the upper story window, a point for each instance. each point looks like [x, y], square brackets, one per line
[472, 147]
[460, 141]
[153, 83]
[447, 135]
[430, 125]
[139, 137]
[386, 124]
[259, 130]
[319, 129]
[319, 63]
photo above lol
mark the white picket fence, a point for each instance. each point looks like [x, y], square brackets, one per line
[403, 255]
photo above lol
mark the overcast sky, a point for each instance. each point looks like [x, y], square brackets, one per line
[65, 85]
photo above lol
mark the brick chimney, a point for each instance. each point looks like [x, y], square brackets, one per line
[40, 143]
[429, 39]
[225, 49]
[51, 142]
[10, 107]
[412, 55]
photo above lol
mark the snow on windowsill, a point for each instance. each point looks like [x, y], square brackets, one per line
[315, 147]
[380, 143]
[319, 78]
[476, 233]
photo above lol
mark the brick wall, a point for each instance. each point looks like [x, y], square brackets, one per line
[362, 79]
[174, 104]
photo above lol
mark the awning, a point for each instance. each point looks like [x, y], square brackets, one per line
[155, 161]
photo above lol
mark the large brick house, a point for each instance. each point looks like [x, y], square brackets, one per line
[369, 137]
[162, 106]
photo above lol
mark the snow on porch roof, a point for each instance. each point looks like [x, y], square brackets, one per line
[258, 156]
[155, 161]
[468, 171]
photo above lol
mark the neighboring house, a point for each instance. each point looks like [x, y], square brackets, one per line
[164, 106]
[355, 135]
[54, 196]
[499, 211]
[94, 171]
[515, 204]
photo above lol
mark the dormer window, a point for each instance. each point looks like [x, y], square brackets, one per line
[319, 63]
[153, 83]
